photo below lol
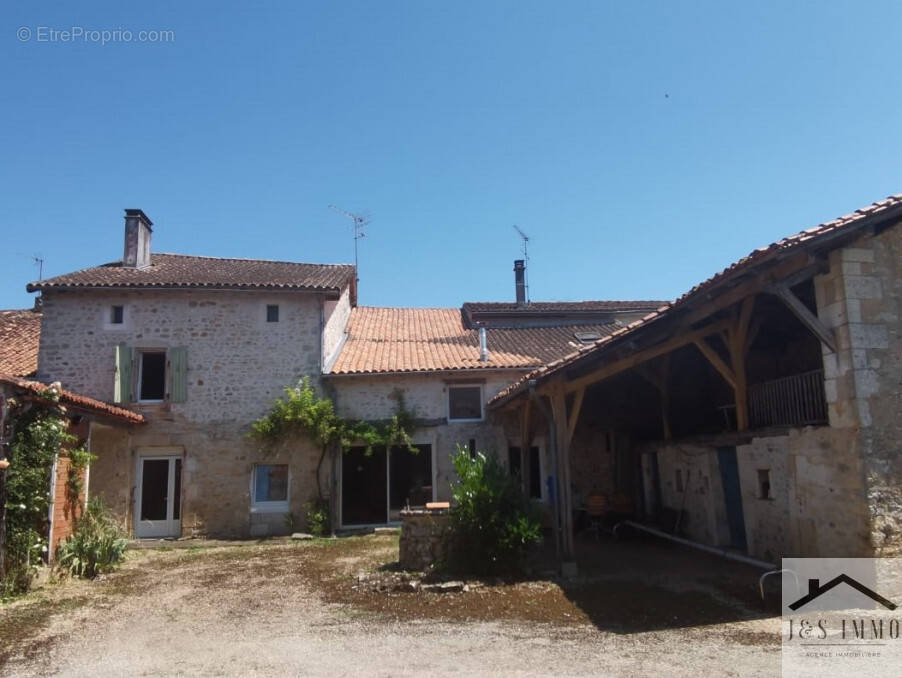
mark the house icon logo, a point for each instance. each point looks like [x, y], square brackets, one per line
[815, 590]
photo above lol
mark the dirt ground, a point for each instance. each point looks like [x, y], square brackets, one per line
[280, 608]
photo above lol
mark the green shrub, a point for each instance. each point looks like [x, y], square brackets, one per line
[97, 545]
[493, 523]
[317, 518]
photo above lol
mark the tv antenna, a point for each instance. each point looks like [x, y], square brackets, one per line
[359, 222]
[39, 262]
[525, 239]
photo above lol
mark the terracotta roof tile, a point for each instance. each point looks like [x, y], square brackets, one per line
[760, 255]
[178, 270]
[20, 335]
[384, 340]
[560, 306]
[75, 400]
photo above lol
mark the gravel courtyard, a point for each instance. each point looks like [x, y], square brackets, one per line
[281, 608]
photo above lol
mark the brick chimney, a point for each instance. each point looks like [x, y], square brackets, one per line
[520, 281]
[138, 229]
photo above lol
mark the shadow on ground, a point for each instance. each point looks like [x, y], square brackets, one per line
[645, 584]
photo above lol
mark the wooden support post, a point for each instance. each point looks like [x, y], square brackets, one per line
[739, 333]
[574, 413]
[664, 388]
[559, 412]
[659, 377]
[736, 340]
[525, 444]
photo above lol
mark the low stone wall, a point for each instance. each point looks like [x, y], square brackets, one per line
[423, 538]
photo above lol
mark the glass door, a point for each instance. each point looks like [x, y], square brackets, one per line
[158, 501]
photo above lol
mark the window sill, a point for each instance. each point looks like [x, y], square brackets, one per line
[275, 508]
[465, 421]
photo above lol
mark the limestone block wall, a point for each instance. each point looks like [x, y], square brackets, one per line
[860, 299]
[815, 506]
[217, 471]
[237, 362]
[113, 471]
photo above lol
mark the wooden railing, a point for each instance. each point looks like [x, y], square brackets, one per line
[790, 401]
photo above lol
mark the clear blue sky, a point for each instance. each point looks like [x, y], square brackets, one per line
[642, 146]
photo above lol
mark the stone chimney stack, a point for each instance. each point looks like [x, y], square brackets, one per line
[138, 229]
[520, 281]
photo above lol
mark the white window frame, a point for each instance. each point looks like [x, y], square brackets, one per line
[281, 506]
[450, 387]
[106, 320]
[139, 374]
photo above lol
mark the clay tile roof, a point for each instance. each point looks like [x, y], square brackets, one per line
[382, 340]
[808, 237]
[74, 400]
[560, 306]
[178, 270]
[20, 335]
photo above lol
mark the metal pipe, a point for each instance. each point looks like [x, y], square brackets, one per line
[771, 572]
[694, 544]
[483, 345]
[552, 436]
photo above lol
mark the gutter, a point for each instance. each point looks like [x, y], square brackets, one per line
[426, 373]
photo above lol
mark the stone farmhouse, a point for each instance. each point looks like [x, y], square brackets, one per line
[200, 347]
[758, 412]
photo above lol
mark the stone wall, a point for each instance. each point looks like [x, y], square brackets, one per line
[859, 298]
[424, 535]
[237, 364]
[814, 507]
[217, 470]
[698, 494]
[370, 398]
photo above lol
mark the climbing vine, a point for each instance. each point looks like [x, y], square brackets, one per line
[40, 433]
[302, 411]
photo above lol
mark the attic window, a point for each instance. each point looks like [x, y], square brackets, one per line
[272, 313]
[465, 403]
[117, 315]
[587, 337]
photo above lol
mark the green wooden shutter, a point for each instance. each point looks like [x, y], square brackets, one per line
[123, 387]
[178, 374]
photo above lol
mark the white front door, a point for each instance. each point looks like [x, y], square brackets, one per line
[158, 500]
